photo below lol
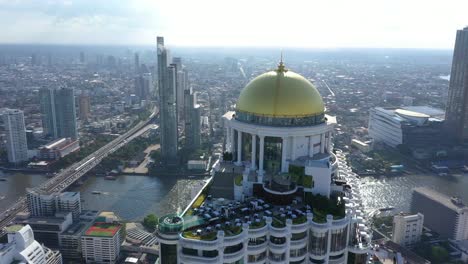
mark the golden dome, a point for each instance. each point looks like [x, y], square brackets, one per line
[280, 94]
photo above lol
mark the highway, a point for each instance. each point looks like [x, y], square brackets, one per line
[68, 176]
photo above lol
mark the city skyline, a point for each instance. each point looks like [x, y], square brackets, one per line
[331, 24]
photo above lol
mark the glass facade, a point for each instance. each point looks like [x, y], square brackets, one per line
[318, 243]
[338, 239]
[273, 151]
[280, 121]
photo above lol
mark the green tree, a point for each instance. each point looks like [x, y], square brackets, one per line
[439, 254]
[150, 222]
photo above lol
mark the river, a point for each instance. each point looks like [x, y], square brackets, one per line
[133, 197]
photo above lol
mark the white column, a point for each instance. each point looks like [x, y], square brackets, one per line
[311, 147]
[322, 143]
[254, 152]
[293, 148]
[260, 160]
[329, 141]
[231, 139]
[284, 152]
[239, 148]
[228, 139]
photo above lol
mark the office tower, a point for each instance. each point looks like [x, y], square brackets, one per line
[447, 216]
[58, 112]
[85, 107]
[137, 63]
[143, 84]
[167, 83]
[407, 228]
[101, 242]
[23, 248]
[182, 85]
[456, 115]
[34, 60]
[192, 120]
[17, 146]
[48, 204]
[82, 57]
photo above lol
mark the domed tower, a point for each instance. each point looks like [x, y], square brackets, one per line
[280, 133]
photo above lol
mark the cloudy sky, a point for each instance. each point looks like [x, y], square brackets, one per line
[287, 23]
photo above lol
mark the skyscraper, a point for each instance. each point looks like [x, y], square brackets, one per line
[137, 63]
[181, 87]
[85, 107]
[192, 120]
[58, 112]
[167, 83]
[17, 147]
[456, 114]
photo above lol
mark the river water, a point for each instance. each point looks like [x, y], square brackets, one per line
[133, 197]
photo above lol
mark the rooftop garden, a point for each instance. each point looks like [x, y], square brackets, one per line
[199, 234]
[255, 224]
[323, 206]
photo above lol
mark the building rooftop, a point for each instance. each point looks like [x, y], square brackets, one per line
[13, 228]
[453, 203]
[100, 229]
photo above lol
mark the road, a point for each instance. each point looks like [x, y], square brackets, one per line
[68, 176]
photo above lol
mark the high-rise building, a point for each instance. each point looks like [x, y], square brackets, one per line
[82, 57]
[48, 204]
[23, 248]
[192, 120]
[457, 107]
[85, 107]
[182, 85]
[58, 112]
[17, 146]
[447, 216]
[167, 83]
[407, 228]
[143, 86]
[278, 129]
[137, 63]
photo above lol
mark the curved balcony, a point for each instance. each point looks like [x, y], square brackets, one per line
[276, 261]
[259, 261]
[319, 226]
[233, 257]
[299, 227]
[234, 240]
[359, 249]
[198, 259]
[258, 232]
[278, 248]
[257, 249]
[278, 231]
[298, 258]
[199, 244]
[340, 223]
[296, 244]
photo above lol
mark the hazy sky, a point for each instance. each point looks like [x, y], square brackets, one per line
[298, 23]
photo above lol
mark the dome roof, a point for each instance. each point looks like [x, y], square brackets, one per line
[280, 94]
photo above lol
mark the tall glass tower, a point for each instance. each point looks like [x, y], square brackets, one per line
[167, 83]
[456, 114]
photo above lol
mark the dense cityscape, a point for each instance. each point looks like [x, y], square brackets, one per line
[176, 155]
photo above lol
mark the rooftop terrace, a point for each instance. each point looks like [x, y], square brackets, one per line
[99, 229]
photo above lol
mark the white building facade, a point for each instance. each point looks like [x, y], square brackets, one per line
[407, 229]
[17, 145]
